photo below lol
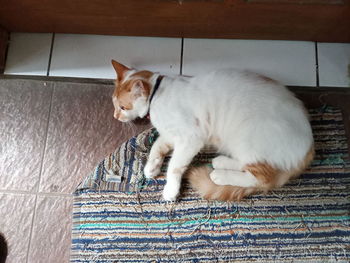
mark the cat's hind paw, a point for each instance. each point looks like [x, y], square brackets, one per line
[224, 162]
[218, 177]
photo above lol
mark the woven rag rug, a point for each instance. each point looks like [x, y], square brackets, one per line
[121, 217]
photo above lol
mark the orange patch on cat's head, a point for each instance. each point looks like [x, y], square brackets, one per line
[129, 86]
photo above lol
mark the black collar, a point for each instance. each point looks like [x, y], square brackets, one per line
[156, 86]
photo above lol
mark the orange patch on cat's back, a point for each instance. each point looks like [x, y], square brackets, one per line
[270, 176]
[305, 162]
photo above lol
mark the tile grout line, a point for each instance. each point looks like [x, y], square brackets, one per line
[317, 71]
[31, 228]
[7, 47]
[40, 172]
[181, 55]
[50, 55]
[52, 194]
[45, 141]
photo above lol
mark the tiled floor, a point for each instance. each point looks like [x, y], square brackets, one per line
[53, 133]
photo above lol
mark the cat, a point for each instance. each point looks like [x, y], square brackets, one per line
[259, 128]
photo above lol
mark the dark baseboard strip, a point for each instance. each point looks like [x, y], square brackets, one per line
[304, 89]
[4, 41]
[60, 79]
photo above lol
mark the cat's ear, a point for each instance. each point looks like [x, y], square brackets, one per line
[120, 69]
[137, 88]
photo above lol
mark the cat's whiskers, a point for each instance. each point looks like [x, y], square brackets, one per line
[132, 126]
[129, 128]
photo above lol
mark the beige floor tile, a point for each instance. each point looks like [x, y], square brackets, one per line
[81, 132]
[51, 237]
[16, 213]
[24, 110]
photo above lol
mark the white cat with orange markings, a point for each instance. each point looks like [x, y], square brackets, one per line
[258, 127]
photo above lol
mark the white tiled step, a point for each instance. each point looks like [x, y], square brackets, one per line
[290, 62]
[28, 54]
[334, 64]
[90, 56]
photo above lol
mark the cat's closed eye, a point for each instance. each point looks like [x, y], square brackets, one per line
[122, 107]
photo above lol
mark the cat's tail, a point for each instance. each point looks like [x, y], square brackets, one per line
[207, 189]
[267, 176]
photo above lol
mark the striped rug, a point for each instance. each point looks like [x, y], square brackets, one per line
[120, 217]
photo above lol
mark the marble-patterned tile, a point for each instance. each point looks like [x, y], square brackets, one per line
[16, 214]
[24, 110]
[28, 54]
[51, 237]
[82, 131]
[334, 64]
[89, 56]
[290, 62]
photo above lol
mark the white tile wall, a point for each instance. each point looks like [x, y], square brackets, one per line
[291, 62]
[90, 56]
[334, 64]
[28, 54]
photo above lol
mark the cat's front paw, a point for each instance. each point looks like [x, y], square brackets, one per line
[170, 192]
[218, 177]
[152, 168]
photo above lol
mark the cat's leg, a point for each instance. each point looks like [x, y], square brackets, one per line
[181, 158]
[235, 178]
[226, 163]
[155, 159]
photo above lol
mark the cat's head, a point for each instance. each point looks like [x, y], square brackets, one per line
[130, 96]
